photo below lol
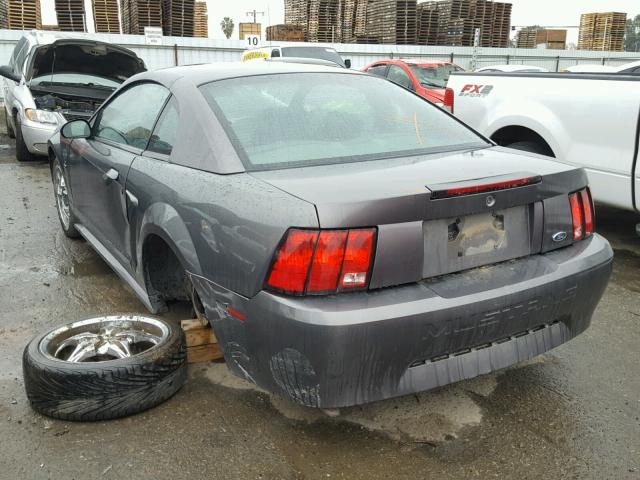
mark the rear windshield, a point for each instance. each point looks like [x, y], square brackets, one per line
[313, 52]
[288, 120]
[434, 76]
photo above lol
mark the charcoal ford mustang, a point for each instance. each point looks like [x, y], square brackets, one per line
[347, 241]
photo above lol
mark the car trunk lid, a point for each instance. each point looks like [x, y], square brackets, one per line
[439, 213]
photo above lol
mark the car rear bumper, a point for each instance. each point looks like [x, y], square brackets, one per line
[349, 349]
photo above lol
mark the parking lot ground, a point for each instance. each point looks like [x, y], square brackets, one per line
[572, 413]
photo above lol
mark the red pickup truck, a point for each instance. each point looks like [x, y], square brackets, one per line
[428, 78]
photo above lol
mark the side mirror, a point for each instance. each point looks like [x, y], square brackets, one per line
[347, 63]
[76, 129]
[7, 72]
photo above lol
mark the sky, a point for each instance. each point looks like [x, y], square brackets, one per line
[525, 12]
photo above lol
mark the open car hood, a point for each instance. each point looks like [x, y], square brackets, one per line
[85, 57]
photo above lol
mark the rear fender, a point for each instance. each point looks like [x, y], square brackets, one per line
[538, 118]
[164, 221]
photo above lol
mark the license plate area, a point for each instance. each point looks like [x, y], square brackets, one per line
[463, 242]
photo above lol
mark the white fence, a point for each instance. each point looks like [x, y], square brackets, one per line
[185, 51]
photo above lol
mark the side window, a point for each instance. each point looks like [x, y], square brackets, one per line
[166, 131]
[378, 70]
[275, 53]
[399, 76]
[129, 118]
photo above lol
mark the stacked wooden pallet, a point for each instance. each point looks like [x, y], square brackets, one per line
[200, 20]
[531, 37]
[285, 33]
[527, 37]
[484, 12]
[296, 13]
[501, 25]
[4, 14]
[177, 17]
[70, 15]
[451, 14]
[23, 14]
[602, 31]
[427, 24]
[360, 20]
[393, 21]
[457, 21]
[347, 12]
[322, 25]
[105, 16]
[137, 14]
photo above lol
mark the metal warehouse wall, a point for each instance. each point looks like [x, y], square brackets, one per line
[184, 51]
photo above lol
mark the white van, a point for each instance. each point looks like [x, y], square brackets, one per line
[316, 52]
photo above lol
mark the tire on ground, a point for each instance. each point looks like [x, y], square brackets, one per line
[10, 132]
[22, 152]
[104, 390]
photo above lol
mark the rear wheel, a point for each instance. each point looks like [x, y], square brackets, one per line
[10, 132]
[22, 152]
[63, 204]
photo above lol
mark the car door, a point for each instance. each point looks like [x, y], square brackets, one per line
[99, 165]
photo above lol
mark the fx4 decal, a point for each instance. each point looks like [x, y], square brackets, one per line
[471, 90]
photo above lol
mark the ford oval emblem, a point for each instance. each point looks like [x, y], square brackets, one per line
[559, 236]
[491, 201]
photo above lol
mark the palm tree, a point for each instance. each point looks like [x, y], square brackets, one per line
[227, 26]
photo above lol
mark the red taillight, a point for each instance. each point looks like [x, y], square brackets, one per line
[576, 215]
[357, 259]
[582, 214]
[448, 99]
[325, 261]
[587, 206]
[289, 271]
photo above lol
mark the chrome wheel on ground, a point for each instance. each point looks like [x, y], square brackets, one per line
[62, 197]
[63, 201]
[105, 338]
[105, 367]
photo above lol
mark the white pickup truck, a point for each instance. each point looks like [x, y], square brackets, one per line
[587, 120]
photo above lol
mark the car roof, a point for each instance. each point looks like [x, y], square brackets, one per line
[424, 61]
[210, 72]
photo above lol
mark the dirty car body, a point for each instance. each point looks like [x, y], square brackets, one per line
[347, 241]
[60, 77]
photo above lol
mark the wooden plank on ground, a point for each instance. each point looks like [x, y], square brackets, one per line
[202, 344]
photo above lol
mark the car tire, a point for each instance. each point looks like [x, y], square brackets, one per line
[63, 202]
[10, 132]
[528, 146]
[100, 387]
[22, 152]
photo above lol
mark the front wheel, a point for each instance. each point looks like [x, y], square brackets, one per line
[22, 152]
[10, 132]
[63, 204]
